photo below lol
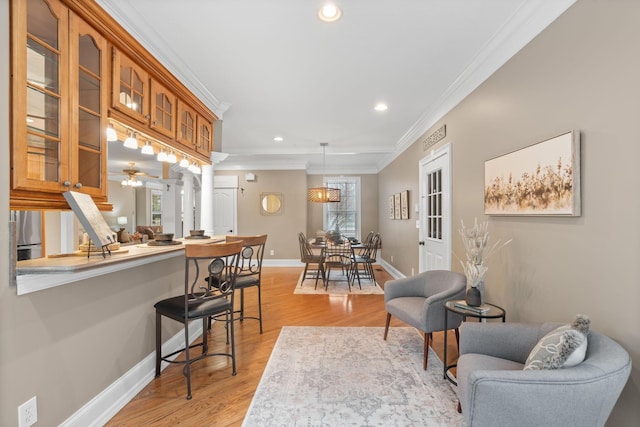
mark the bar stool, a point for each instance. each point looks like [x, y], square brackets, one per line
[201, 301]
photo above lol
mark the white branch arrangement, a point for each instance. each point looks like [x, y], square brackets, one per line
[478, 251]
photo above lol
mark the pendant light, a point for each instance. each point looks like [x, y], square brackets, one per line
[323, 194]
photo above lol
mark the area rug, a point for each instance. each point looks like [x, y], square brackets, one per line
[350, 376]
[337, 286]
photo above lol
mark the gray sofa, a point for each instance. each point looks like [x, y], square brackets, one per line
[494, 390]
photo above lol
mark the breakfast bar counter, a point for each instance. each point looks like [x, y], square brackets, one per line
[43, 273]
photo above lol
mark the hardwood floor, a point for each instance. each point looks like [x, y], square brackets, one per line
[220, 399]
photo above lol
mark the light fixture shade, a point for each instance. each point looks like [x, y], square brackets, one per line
[323, 194]
[171, 157]
[147, 148]
[111, 134]
[184, 162]
[162, 156]
[131, 142]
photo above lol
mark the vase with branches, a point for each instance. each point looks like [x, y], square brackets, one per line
[477, 252]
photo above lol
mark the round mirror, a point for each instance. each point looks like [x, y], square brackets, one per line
[271, 203]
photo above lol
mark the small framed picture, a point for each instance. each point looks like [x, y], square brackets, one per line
[404, 204]
[392, 207]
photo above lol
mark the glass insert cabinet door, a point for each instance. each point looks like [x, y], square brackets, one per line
[42, 59]
[59, 66]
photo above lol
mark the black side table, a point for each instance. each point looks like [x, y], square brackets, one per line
[494, 312]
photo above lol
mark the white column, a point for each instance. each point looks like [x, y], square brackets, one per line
[187, 179]
[171, 208]
[207, 202]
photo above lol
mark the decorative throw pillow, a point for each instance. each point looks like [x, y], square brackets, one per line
[563, 347]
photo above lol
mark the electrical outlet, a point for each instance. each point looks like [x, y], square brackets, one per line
[28, 413]
[391, 258]
[272, 253]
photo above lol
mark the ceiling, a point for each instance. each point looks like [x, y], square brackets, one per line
[272, 68]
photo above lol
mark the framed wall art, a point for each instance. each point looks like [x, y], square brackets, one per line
[392, 202]
[396, 205]
[404, 204]
[541, 179]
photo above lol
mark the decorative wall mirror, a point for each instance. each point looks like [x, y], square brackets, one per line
[271, 203]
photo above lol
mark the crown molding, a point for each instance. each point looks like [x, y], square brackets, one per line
[531, 18]
[137, 26]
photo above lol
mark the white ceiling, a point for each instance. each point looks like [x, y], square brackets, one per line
[272, 68]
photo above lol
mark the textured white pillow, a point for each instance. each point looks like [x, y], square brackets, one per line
[563, 347]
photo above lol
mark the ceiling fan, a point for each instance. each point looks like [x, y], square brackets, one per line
[133, 174]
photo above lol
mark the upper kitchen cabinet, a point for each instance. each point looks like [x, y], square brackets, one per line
[204, 143]
[194, 130]
[163, 110]
[88, 108]
[130, 88]
[58, 104]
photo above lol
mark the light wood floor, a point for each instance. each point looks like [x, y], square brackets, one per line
[220, 399]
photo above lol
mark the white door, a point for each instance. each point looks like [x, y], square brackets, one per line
[435, 210]
[224, 215]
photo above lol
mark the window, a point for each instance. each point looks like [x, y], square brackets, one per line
[344, 215]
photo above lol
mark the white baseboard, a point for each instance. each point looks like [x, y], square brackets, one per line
[396, 274]
[99, 410]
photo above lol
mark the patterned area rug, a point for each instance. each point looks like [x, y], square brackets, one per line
[337, 286]
[350, 376]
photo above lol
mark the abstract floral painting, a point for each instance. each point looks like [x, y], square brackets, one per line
[542, 179]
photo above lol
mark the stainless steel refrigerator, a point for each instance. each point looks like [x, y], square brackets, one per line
[29, 233]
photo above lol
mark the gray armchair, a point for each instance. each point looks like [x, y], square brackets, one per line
[419, 301]
[495, 391]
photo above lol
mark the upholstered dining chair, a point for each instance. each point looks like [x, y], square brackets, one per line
[250, 270]
[200, 301]
[419, 301]
[312, 260]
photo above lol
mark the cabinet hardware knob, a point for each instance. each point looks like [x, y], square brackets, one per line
[78, 185]
[67, 184]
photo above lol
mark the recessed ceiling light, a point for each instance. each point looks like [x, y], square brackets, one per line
[278, 139]
[330, 12]
[381, 106]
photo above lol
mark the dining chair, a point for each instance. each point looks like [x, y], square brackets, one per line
[367, 257]
[201, 301]
[310, 259]
[340, 255]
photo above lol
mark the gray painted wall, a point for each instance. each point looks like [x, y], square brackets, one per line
[580, 73]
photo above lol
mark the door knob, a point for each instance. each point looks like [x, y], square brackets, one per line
[421, 242]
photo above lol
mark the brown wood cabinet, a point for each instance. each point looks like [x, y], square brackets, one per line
[204, 144]
[130, 94]
[74, 68]
[187, 125]
[59, 93]
[163, 110]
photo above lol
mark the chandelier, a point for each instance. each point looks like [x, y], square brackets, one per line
[323, 194]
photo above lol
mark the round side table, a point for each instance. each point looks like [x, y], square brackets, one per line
[494, 312]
